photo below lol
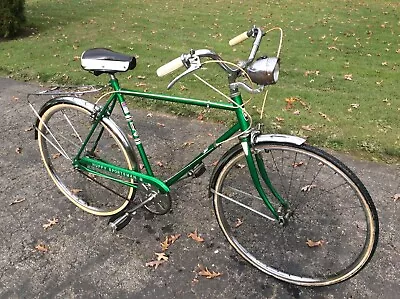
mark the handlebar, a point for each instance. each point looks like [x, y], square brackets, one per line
[170, 67]
[192, 60]
[240, 38]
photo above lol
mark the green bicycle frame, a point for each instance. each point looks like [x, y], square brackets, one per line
[91, 165]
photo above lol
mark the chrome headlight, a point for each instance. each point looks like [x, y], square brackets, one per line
[264, 71]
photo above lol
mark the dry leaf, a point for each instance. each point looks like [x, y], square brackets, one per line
[311, 243]
[308, 128]
[50, 223]
[155, 264]
[141, 77]
[238, 165]
[324, 116]
[297, 112]
[17, 201]
[161, 256]
[279, 119]
[168, 241]
[18, 150]
[161, 125]
[297, 164]
[396, 197]
[308, 188]
[159, 163]
[200, 117]
[165, 244]
[41, 247]
[188, 143]
[195, 236]
[29, 129]
[348, 77]
[289, 103]
[238, 222]
[207, 273]
[56, 155]
[76, 191]
[149, 114]
[355, 106]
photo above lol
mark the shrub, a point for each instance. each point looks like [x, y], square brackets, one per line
[12, 17]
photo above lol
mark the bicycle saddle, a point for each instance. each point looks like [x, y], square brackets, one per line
[100, 61]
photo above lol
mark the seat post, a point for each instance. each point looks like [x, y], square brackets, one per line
[114, 82]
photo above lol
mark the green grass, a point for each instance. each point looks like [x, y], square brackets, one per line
[324, 41]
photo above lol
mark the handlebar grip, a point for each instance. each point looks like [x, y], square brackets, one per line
[169, 67]
[238, 39]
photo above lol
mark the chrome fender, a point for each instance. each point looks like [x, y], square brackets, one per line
[280, 138]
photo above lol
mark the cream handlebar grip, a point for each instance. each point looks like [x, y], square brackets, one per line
[238, 39]
[169, 67]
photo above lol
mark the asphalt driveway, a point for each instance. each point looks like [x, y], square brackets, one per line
[84, 259]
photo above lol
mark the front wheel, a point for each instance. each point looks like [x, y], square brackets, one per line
[330, 230]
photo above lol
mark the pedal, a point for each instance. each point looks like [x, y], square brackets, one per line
[118, 222]
[198, 170]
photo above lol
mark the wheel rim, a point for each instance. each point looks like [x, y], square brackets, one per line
[69, 125]
[290, 258]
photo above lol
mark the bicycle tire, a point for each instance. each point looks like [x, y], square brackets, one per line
[332, 231]
[69, 120]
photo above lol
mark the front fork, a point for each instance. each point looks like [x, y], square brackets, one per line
[260, 168]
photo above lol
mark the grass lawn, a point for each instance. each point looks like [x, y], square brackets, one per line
[340, 59]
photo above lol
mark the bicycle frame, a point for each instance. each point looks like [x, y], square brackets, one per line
[92, 165]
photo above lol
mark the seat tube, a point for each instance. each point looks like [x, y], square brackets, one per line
[115, 85]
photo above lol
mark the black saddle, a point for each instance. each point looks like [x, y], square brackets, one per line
[100, 61]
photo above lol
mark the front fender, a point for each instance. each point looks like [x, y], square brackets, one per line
[280, 138]
[256, 139]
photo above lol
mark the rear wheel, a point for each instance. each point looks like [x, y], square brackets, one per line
[331, 227]
[64, 125]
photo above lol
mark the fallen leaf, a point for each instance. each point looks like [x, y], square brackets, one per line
[168, 241]
[29, 129]
[348, 77]
[18, 150]
[311, 243]
[41, 247]
[200, 117]
[238, 165]
[355, 106]
[297, 112]
[290, 102]
[324, 116]
[155, 263]
[308, 188]
[207, 273]
[17, 201]
[161, 125]
[56, 155]
[141, 77]
[238, 222]
[149, 114]
[194, 235]
[188, 143]
[279, 119]
[159, 163]
[297, 164]
[50, 223]
[396, 197]
[161, 256]
[76, 191]
[308, 128]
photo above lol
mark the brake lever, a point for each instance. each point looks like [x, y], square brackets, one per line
[194, 64]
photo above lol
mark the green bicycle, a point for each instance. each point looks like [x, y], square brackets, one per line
[291, 210]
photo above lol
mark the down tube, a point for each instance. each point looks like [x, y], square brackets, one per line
[172, 180]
